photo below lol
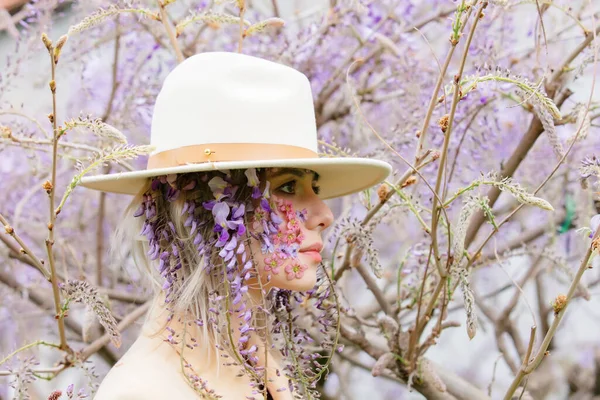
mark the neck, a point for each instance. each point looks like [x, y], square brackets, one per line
[203, 357]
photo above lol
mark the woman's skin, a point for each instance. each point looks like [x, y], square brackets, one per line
[151, 368]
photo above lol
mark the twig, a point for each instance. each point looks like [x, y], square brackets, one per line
[441, 14]
[327, 90]
[52, 51]
[35, 121]
[164, 17]
[27, 346]
[464, 135]
[447, 134]
[356, 362]
[275, 8]
[529, 367]
[434, 96]
[543, 308]
[372, 285]
[77, 146]
[242, 5]
[34, 261]
[106, 169]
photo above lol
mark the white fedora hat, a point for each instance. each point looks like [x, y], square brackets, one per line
[220, 110]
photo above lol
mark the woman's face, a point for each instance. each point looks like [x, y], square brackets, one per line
[304, 216]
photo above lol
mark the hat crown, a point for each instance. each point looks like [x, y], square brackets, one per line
[221, 97]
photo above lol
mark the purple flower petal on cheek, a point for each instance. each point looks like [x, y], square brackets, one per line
[276, 219]
[302, 215]
[256, 192]
[264, 204]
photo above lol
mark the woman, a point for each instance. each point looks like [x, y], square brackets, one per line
[231, 216]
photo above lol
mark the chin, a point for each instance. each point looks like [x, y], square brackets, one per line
[307, 282]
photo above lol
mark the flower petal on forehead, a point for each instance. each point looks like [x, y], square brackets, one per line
[252, 177]
[217, 186]
[267, 191]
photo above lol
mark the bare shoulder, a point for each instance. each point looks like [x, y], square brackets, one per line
[131, 381]
[143, 378]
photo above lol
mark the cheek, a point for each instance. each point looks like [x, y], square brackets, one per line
[281, 266]
[284, 273]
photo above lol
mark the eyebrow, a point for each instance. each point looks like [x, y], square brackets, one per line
[293, 171]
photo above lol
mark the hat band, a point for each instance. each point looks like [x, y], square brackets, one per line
[219, 152]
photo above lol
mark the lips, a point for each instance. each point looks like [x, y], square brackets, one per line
[318, 247]
[313, 251]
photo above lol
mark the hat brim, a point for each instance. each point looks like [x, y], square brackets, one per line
[337, 176]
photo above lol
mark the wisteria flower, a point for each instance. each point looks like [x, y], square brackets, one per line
[217, 186]
[253, 182]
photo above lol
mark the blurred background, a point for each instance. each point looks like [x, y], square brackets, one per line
[408, 62]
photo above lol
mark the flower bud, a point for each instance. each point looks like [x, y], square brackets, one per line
[410, 181]
[47, 186]
[47, 41]
[5, 132]
[382, 192]
[559, 303]
[444, 122]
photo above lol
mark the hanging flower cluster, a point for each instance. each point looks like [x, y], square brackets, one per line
[222, 213]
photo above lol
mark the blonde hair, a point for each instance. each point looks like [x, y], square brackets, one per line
[194, 286]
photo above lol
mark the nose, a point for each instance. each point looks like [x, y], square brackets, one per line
[319, 214]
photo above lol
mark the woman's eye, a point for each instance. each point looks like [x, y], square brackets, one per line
[316, 189]
[288, 187]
